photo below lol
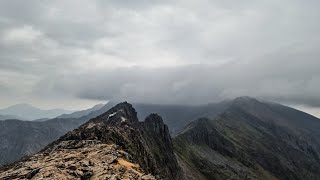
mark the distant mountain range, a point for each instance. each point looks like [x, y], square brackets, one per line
[29, 112]
[4, 117]
[79, 114]
[242, 138]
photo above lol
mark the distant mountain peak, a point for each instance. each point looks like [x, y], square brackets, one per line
[98, 105]
[22, 105]
[28, 112]
[79, 114]
[245, 99]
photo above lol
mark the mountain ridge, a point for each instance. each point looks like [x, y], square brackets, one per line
[247, 143]
[235, 124]
[82, 113]
[146, 144]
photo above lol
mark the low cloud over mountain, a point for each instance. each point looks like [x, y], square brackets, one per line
[55, 53]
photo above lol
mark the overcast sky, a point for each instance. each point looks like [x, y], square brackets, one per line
[73, 54]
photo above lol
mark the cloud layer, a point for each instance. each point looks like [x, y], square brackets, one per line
[57, 52]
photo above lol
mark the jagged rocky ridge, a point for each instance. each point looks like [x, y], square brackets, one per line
[145, 146]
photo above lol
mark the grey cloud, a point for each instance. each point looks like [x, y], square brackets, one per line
[272, 77]
[162, 51]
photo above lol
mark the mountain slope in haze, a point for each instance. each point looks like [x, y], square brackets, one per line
[113, 145]
[5, 117]
[19, 138]
[28, 112]
[252, 140]
[82, 113]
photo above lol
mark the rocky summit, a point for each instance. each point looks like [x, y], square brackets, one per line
[114, 145]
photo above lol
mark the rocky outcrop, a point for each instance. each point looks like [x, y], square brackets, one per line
[154, 124]
[157, 140]
[116, 143]
[78, 160]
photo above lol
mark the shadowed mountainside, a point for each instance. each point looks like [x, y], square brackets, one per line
[252, 140]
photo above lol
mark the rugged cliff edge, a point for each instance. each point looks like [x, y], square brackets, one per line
[114, 145]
